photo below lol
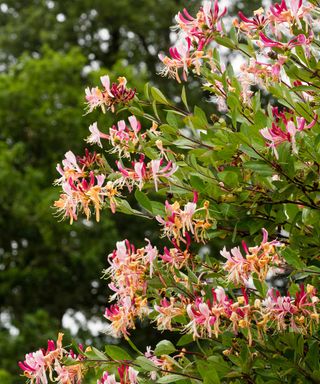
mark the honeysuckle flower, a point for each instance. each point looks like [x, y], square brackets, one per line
[257, 23]
[96, 135]
[128, 375]
[299, 314]
[121, 316]
[124, 139]
[107, 379]
[157, 171]
[68, 374]
[281, 13]
[111, 96]
[151, 255]
[168, 309]
[80, 193]
[34, 367]
[128, 270]
[43, 364]
[142, 172]
[182, 57]
[275, 135]
[300, 40]
[178, 221]
[258, 260]
[175, 257]
[207, 316]
[202, 27]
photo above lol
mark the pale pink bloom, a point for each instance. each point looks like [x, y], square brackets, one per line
[107, 379]
[157, 172]
[237, 266]
[34, 367]
[299, 40]
[175, 256]
[132, 375]
[124, 139]
[105, 81]
[121, 317]
[112, 95]
[275, 135]
[135, 124]
[186, 217]
[258, 22]
[167, 311]
[281, 13]
[151, 255]
[69, 374]
[140, 170]
[96, 135]
[94, 98]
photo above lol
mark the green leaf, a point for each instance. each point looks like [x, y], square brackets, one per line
[259, 167]
[229, 178]
[146, 364]
[292, 258]
[146, 91]
[117, 353]
[184, 340]
[173, 120]
[207, 372]
[202, 118]
[164, 347]
[159, 96]
[95, 354]
[143, 200]
[184, 98]
[170, 378]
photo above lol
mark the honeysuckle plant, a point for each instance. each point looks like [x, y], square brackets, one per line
[245, 171]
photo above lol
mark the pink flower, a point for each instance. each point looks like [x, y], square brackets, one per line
[258, 260]
[166, 171]
[34, 367]
[167, 311]
[281, 13]
[96, 135]
[237, 266]
[257, 23]
[141, 172]
[107, 379]
[111, 96]
[299, 40]
[275, 135]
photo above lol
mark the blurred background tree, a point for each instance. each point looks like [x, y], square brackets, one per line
[49, 51]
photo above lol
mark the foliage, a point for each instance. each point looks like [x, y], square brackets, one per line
[251, 169]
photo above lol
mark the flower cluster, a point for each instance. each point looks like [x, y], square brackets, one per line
[111, 96]
[122, 138]
[212, 317]
[280, 17]
[43, 364]
[258, 260]
[167, 310]
[198, 32]
[82, 188]
[178, 222]
[300, 314]
[142, 172]
[276, 135]
[128, 271]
